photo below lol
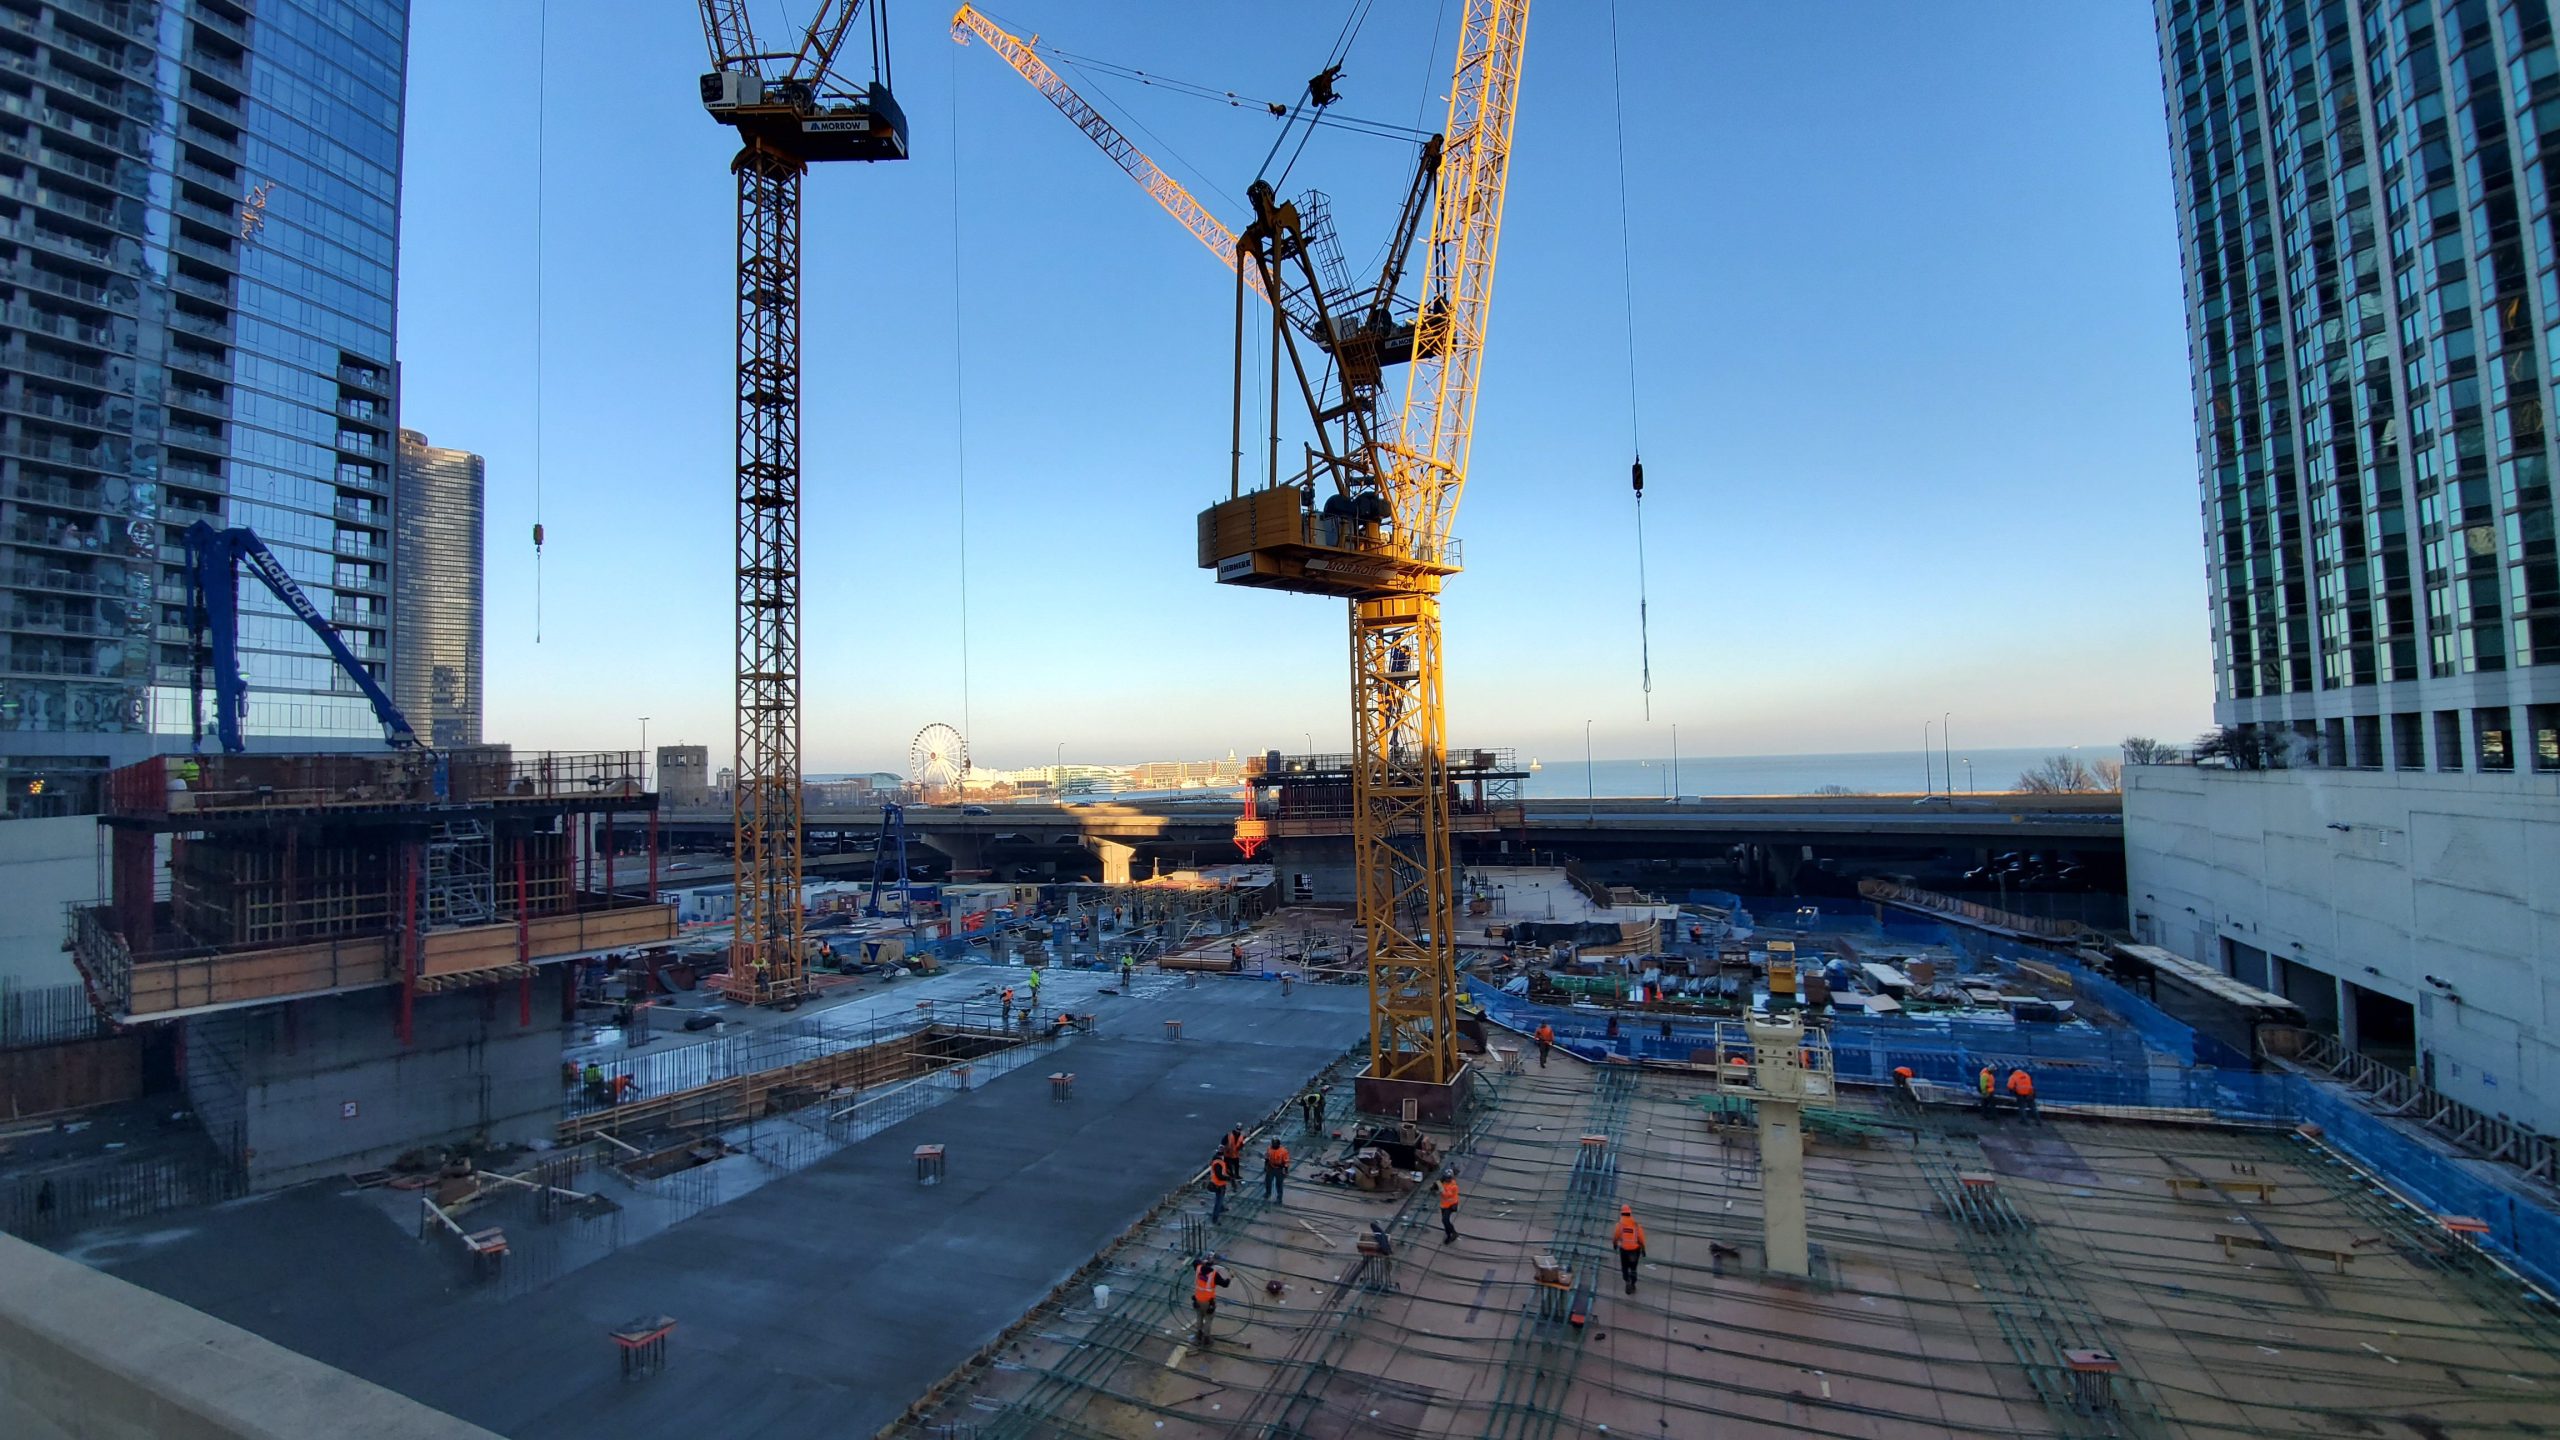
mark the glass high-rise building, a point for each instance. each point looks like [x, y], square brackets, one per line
[436, 587]
[2370, 237]
[2366, 210]
[199, 224]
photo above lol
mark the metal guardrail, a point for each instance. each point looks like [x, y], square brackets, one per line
[1889, 892]
[2390, 1091]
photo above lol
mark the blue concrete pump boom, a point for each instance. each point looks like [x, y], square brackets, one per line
[893, 839]
[214, 558]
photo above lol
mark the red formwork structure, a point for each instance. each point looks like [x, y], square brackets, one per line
[250, 879]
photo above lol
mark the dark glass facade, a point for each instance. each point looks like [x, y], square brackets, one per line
[199, 222]
[435, 610]
[2365, 205]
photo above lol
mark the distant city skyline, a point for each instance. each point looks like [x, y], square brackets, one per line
[1917, 430]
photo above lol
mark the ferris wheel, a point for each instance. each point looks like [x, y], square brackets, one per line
[938, 757]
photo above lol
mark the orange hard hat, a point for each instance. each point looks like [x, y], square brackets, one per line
[1626, 1209]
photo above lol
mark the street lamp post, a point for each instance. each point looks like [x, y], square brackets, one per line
[644, 752]
[1968, 774]
[1058, 773]
[1590, 787]
[1675, 762]
[1947, 749]
[1928, 761]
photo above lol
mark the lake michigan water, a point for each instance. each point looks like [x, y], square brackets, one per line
[1879, 772]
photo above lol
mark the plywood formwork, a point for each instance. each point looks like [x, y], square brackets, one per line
[284, 972]
[1939, 1306]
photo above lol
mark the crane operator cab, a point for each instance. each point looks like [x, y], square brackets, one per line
[1276, 539]
[789, 116]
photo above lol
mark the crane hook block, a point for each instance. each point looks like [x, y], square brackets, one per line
[537, 525]
[1639, 479]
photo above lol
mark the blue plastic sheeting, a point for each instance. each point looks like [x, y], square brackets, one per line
[2155, 1063]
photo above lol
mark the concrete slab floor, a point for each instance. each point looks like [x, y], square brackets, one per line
[821, 1303]
[1919, 1323]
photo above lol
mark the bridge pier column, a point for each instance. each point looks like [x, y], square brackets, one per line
[1115, 859]
[966, 849]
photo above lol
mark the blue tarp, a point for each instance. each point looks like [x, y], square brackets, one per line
[2153, 1059]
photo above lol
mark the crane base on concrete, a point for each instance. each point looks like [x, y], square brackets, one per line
[1433, 1104]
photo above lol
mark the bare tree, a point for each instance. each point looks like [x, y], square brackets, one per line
[2143, 750]
[1838, 790]
[2110, 774]
[2059, 775]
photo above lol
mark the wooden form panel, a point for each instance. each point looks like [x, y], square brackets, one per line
[161, 985]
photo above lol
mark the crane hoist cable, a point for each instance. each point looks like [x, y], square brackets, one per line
[541, 114]
[1635, 421]
[959, 408]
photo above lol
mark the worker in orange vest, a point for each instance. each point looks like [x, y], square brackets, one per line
[1007, 1023]
[1206, 1281]
[1990, 1084]
[1546, 1042]
[1448, 1206]
[1630, 1238]
[1275, 1171]
[2022, 1090]
[1233, 1148]
[1219, 1174]
[1902, 1078]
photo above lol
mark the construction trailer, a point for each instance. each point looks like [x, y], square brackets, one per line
[364, 954]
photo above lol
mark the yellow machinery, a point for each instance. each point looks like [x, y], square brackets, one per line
[1381, 536]
[790, 109]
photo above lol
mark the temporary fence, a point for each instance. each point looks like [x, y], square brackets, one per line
[2152, 1061]
[666, 1072]
[40, 1205]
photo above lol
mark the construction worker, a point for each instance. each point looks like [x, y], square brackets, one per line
[1128, 972]
[1035, 987]
[1989, 1084]
[1448, 1206]
[1232, 1146]
[1275, 1171]
[1066, 1024]
[1546, 1042]
[1007, 1023]
[623, 1086]
[593, 1079]
[1311, 1106]
[2022, 1091]
[1218, 1176]
[1902, 1078]
[1630, 1238]
[1206, 1281]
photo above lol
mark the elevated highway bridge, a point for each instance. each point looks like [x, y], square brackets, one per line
[1784, 830]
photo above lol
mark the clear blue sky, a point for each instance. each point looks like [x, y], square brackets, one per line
[1912, 380]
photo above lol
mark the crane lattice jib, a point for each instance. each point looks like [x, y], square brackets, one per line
[1426, 467]
[728, 36]
[1167, 191]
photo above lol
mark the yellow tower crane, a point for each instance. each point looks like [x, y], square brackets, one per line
[1382, 539]
[790, 109]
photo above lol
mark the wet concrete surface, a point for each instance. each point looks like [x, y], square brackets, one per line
[819, 1304]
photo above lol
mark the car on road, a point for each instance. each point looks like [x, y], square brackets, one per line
[975, 810]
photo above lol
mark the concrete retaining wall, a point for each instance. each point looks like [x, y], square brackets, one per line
[85, 1356]
[321, 1087]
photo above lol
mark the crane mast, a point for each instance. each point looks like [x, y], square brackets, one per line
[790, 110]
[1383, 541]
